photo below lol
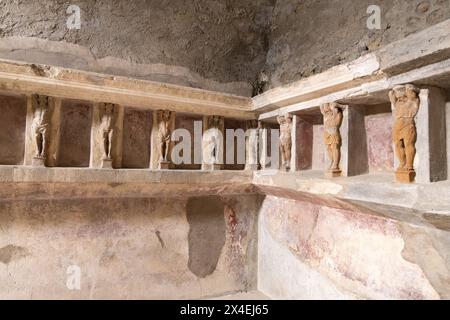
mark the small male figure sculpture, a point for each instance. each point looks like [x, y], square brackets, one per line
[405, 105]
[253, 128]
[212, 143]
[40, 127]
[332, 118]
[107, 123]
[164, 134]
[285, 123]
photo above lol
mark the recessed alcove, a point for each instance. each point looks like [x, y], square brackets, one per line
[137, 128]
[310, 150]
[378, 125]
[75, 133]
[267, 147]
[13, 110]
[238, 127]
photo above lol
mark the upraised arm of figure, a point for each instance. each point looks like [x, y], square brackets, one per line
[412, 93]
[392, 97]
[280, 119]
[323, 108]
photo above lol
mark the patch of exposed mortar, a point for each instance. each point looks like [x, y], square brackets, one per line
[207, 233]
[12, 253]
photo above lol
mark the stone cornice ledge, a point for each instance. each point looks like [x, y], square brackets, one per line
[26, 78]
[29, 183]
[378, 189]
[376, 71]
[341, 77]
[422, 204]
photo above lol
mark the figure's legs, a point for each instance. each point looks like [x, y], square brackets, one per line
[165, 150]
[162, 151]
[283, 160]
[215, 150]
[44, 143]
[330, 156]
[336, 156]
[401, 154]
[288, 158]
[410, 154]
[110, 143]
[38, 139]
[410, 151]
[105, 145]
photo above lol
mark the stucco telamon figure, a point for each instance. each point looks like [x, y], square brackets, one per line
[41, 126]
[252, 151]
[213, 143]
[405, 105]
[332, 119]
[107, 124]
[164, 134]
[285, 123]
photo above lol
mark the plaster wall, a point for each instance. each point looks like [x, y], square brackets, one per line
[318, 148]
[311, 36]
[379, 142]
[337, 252]
[75, 134]
[137, 127]
[13, 110]
[217, 45]
[128, 248]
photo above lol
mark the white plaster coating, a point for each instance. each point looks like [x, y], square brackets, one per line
[291, 279]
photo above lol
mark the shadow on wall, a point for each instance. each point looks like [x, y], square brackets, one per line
[206, 238]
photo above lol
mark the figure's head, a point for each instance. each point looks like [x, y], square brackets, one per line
[399, 91]
[285, 119]
[41, 100]
[164, 115]
[109, 108]
[214, 121]
[325, 108]
[288, 118]
[252, 124]
[411, 91]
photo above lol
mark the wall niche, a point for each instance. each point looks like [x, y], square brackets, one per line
[75, 134]
[13, 109]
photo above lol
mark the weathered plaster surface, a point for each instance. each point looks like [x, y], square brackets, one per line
[126, 248]
[379, 142]
[75, 134]
[362, 255]
[301, 46]
[318, 148]
[131, 241]
[206, 44]
[12, 135]
[137, 127]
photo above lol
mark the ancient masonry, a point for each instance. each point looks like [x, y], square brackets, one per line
[359, 206]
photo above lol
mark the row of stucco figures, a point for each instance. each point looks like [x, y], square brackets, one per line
[405, 106]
